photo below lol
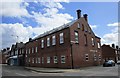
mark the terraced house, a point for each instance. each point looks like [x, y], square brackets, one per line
[72, 45]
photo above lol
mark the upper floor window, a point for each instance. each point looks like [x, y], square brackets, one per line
[26, 51]
[36, 49]
[85, 28]
[98, 45]
[53, 40]
[82, 27]
[22, 51]
[42, 43]
[76, 36]
[29, 50]
[78, 25]
[48, 41]
[32, 50]
[62, 59]
[92, 39]
[61, 38]
[85, 39]
[16, 52]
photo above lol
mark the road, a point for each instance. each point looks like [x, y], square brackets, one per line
[87, 71]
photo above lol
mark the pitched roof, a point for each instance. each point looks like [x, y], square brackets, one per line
[56, 29]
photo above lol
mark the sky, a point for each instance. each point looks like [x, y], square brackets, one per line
[23, 20]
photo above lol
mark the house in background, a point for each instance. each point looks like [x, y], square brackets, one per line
[4, 55]
[16, 55]
[72, 45]
[109, 52]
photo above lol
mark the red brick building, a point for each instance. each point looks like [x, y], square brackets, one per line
[72, 45]
[4, 55]
[109, 52]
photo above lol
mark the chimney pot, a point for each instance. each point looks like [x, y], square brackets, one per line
[86, 17]
[78, 13]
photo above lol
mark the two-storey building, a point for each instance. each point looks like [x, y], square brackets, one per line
[72, 45]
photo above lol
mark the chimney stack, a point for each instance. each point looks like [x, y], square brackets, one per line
[113, 45]
[30, 39]
[117, 47]
[85, 16]
[78, 13]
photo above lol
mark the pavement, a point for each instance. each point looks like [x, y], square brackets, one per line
[51, 70]
[57, 70]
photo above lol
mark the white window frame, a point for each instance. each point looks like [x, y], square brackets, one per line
[32, 50]
[86, 57]
[63, 59]
[48, 41]
[25, 55]
[61, 38]
[92, 39]
[95, 57]
[78, 25]
[29, 60]
[42, 60]
[39, 60]
[55, 59]
[36, 60]
[22, 51]
[53, 40]
[48, 59]
[98, 44]
[26, 51]
[29, 50]
[33, 61]
[42, 43]
[99, 57]
[36, 49]
[76, 36]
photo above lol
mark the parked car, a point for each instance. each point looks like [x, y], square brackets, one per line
[108, 63]
[118, 62]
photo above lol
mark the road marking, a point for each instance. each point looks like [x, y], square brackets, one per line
[20, 74]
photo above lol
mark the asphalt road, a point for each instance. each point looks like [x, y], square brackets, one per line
[88, 71]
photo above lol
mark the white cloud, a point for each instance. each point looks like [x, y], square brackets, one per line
[93, 26]
[114, 24]
[113, 36]
[51, 18]
[13, 9]
[11, 31]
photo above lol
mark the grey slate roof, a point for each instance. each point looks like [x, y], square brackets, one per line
[56, 29]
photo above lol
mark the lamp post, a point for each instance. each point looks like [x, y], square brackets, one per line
[72, 63]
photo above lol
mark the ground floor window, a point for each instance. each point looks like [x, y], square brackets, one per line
[38, 60]
[32, 60]
[42, 60]
[55, 59]
[62, 59]
[86, 57]
[48, 59]
[95, 57]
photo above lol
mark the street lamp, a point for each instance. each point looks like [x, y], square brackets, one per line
[72, 63]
